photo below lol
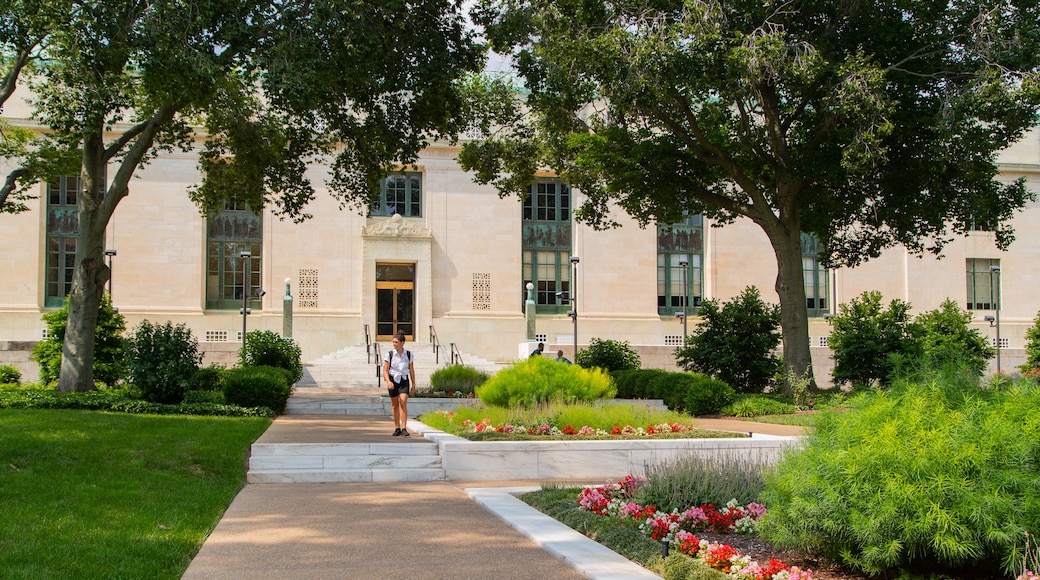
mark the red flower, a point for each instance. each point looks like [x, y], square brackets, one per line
[616, 430]
[568, 430]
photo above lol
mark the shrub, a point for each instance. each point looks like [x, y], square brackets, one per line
[109, 355]
[163, 361]
[735, 342]
[542, 380]
[609, 355]
[698, 394]
[636, 383]
[210, 378]
[947, 338]
[266, 348]
[1032, 348]
[693, 480]
[866, 335]
[10, 375]
[758, 405]
[258, 386]
[936, 474]
[458, 378]
[192, 397]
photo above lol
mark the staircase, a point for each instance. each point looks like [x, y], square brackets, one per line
[338, 399]
[345, 463]
[353, 369]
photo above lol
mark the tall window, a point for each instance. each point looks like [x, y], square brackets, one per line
[815, 277]
[400, 193]
[62, 235]
[547, 243]
[982, 283]
[235, 230]
[678, 243]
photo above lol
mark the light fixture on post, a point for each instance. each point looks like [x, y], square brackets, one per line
[574, 301]
[245, 255]
[111, 253]
[684, 264]
[995, 270]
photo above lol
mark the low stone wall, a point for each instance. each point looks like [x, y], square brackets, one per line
[465, 460]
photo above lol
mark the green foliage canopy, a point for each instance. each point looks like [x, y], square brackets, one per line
[867, 124]
[946, 338]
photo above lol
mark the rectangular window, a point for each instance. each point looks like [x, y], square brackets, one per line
[815, 277]
[547, 244]
[982, 283]
[680, 254]
[62, 238]
[229, 276]
[400, 193]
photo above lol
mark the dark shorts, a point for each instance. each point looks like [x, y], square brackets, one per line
[401, 388]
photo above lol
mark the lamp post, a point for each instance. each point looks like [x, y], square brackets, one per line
[995, 270]
[111, 254]
[684, 264]
[574, 301]
[245, 255]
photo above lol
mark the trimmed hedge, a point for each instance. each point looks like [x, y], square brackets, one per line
[457, 378]
[691, 393]
[117, 401]
[261, 386]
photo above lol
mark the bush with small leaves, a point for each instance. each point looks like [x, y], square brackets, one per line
[735, 342]
[865, 337]
[9, 375]
[457, 378]
[210, 378]
[541, 380]
[609, 355]
[259, 386]
[637, 383]
[109, 351]
[266, 348]
[935, 474]
[163, 361]
[946, 337]
[1031, 367]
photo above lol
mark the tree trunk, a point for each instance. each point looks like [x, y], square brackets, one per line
[89, 277]
[794, 319]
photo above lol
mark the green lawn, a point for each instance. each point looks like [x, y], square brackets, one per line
[90, 494]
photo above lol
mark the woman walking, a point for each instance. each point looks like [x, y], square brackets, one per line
[399, 376]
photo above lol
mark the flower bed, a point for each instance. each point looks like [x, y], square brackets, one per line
[677, 530]
[487, 425]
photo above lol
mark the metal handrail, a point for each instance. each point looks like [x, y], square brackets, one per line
[456, 356]
[368, 347]
[436, 346]
[379, 369]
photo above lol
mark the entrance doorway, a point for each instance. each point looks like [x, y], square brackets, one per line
[395, 300]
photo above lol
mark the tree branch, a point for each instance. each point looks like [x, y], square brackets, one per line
[145, 137]
[21, 58]
[10, 184]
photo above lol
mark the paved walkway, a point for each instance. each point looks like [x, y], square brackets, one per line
[426, 531]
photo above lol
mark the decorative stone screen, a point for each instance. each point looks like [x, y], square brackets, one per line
[481, 291]
[308, 288]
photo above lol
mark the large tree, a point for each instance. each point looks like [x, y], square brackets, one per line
[866, 123]
[274, 82]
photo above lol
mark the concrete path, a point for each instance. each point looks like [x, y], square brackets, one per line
[424, 530]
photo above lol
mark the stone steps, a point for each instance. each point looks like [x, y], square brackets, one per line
[344, 463]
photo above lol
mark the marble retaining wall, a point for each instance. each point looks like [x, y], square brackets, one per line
[465, 460]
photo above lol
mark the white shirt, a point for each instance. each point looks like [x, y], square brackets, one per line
[399, 364]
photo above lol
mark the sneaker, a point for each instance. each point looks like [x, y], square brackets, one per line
[397, 432]
[405, 433]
